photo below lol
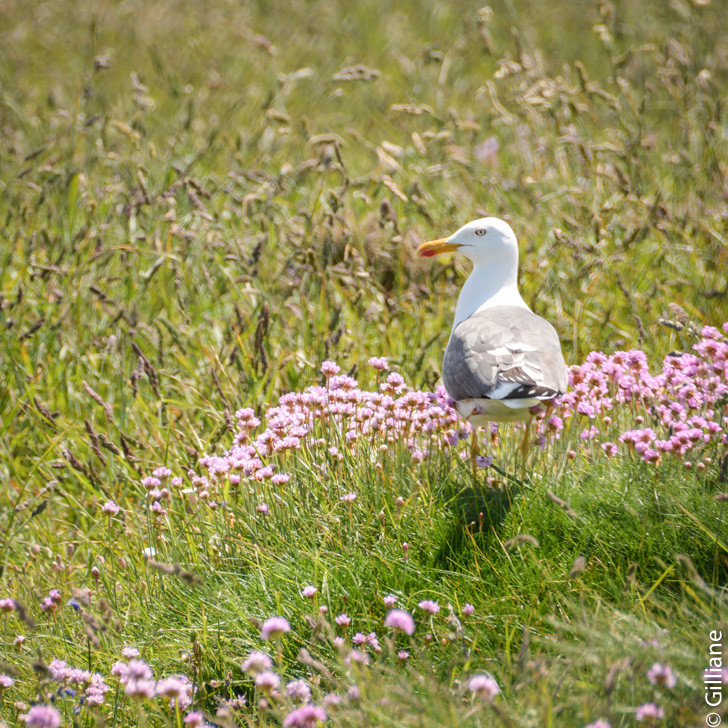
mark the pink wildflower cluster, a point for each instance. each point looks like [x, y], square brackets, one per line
[679, 411]
[138, 680]
[395, 411]
[93, 685]
[614, 400]
[42, 716]
[136, 677]
[49, 603]
[307, 716]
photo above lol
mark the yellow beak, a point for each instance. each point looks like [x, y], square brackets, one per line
[435, 247]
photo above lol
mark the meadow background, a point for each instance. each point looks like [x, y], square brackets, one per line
[200, 203]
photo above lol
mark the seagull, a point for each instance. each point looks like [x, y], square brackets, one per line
[501, 359]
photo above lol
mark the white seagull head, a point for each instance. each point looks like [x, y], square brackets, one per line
[484, 241]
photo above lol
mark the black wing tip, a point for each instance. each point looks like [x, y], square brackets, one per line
[528, 391]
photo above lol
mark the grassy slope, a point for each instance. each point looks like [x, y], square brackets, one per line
[172, 214]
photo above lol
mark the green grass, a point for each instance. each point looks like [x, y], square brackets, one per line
[235, 215]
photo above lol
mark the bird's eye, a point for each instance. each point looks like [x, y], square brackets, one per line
[481, 232]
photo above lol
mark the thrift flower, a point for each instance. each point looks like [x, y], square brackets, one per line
[42, 716]
[257, 662]
[329, 368]
[274, 627]
[299, 690]
[649, 712]
[483, 686]
[7, 605]
[429, 606]
[400, 621]
[194, 719]
[660, 674]
[267, 681]
[379, 363]
[307, 716]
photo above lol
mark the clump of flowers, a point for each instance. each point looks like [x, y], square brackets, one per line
[274, 627]
[483, 686]
[429, 606]
[307, 716]
[678, 412]
[649, 713]
[615, 403]
[257, 662]
[400, 621]
[660, 674]
[42, 716]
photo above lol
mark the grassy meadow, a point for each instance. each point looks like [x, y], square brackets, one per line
[200, 204]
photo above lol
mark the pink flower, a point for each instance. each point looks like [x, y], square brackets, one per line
[379, 363]
[610, 449]
[357, 657]
[110, 507]
[468, 609]
[274, 627]
[195, 719]
[348, 498]
[307, 716]
[138, 670]
[6, 682]
[390, 600]
[403, 655]
[329, 368]
[483, 686]
[401, 621]
[429, 606]
[332, 700]
[343, 620]
[599, 724]
[299, 690]
[177, 688]
[309, 592]
[7, 605]
[267, 681]
[649, 712]
[130, 652]
[660, 674]
[257, 662]
[140, 689]
[42, 716]
[353, 693]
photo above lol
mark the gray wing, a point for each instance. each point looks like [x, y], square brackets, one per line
[505, 352]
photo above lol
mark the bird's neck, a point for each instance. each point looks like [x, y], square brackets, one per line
[490, 284]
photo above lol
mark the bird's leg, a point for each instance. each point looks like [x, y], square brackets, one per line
[474, 449]
[524, 446]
